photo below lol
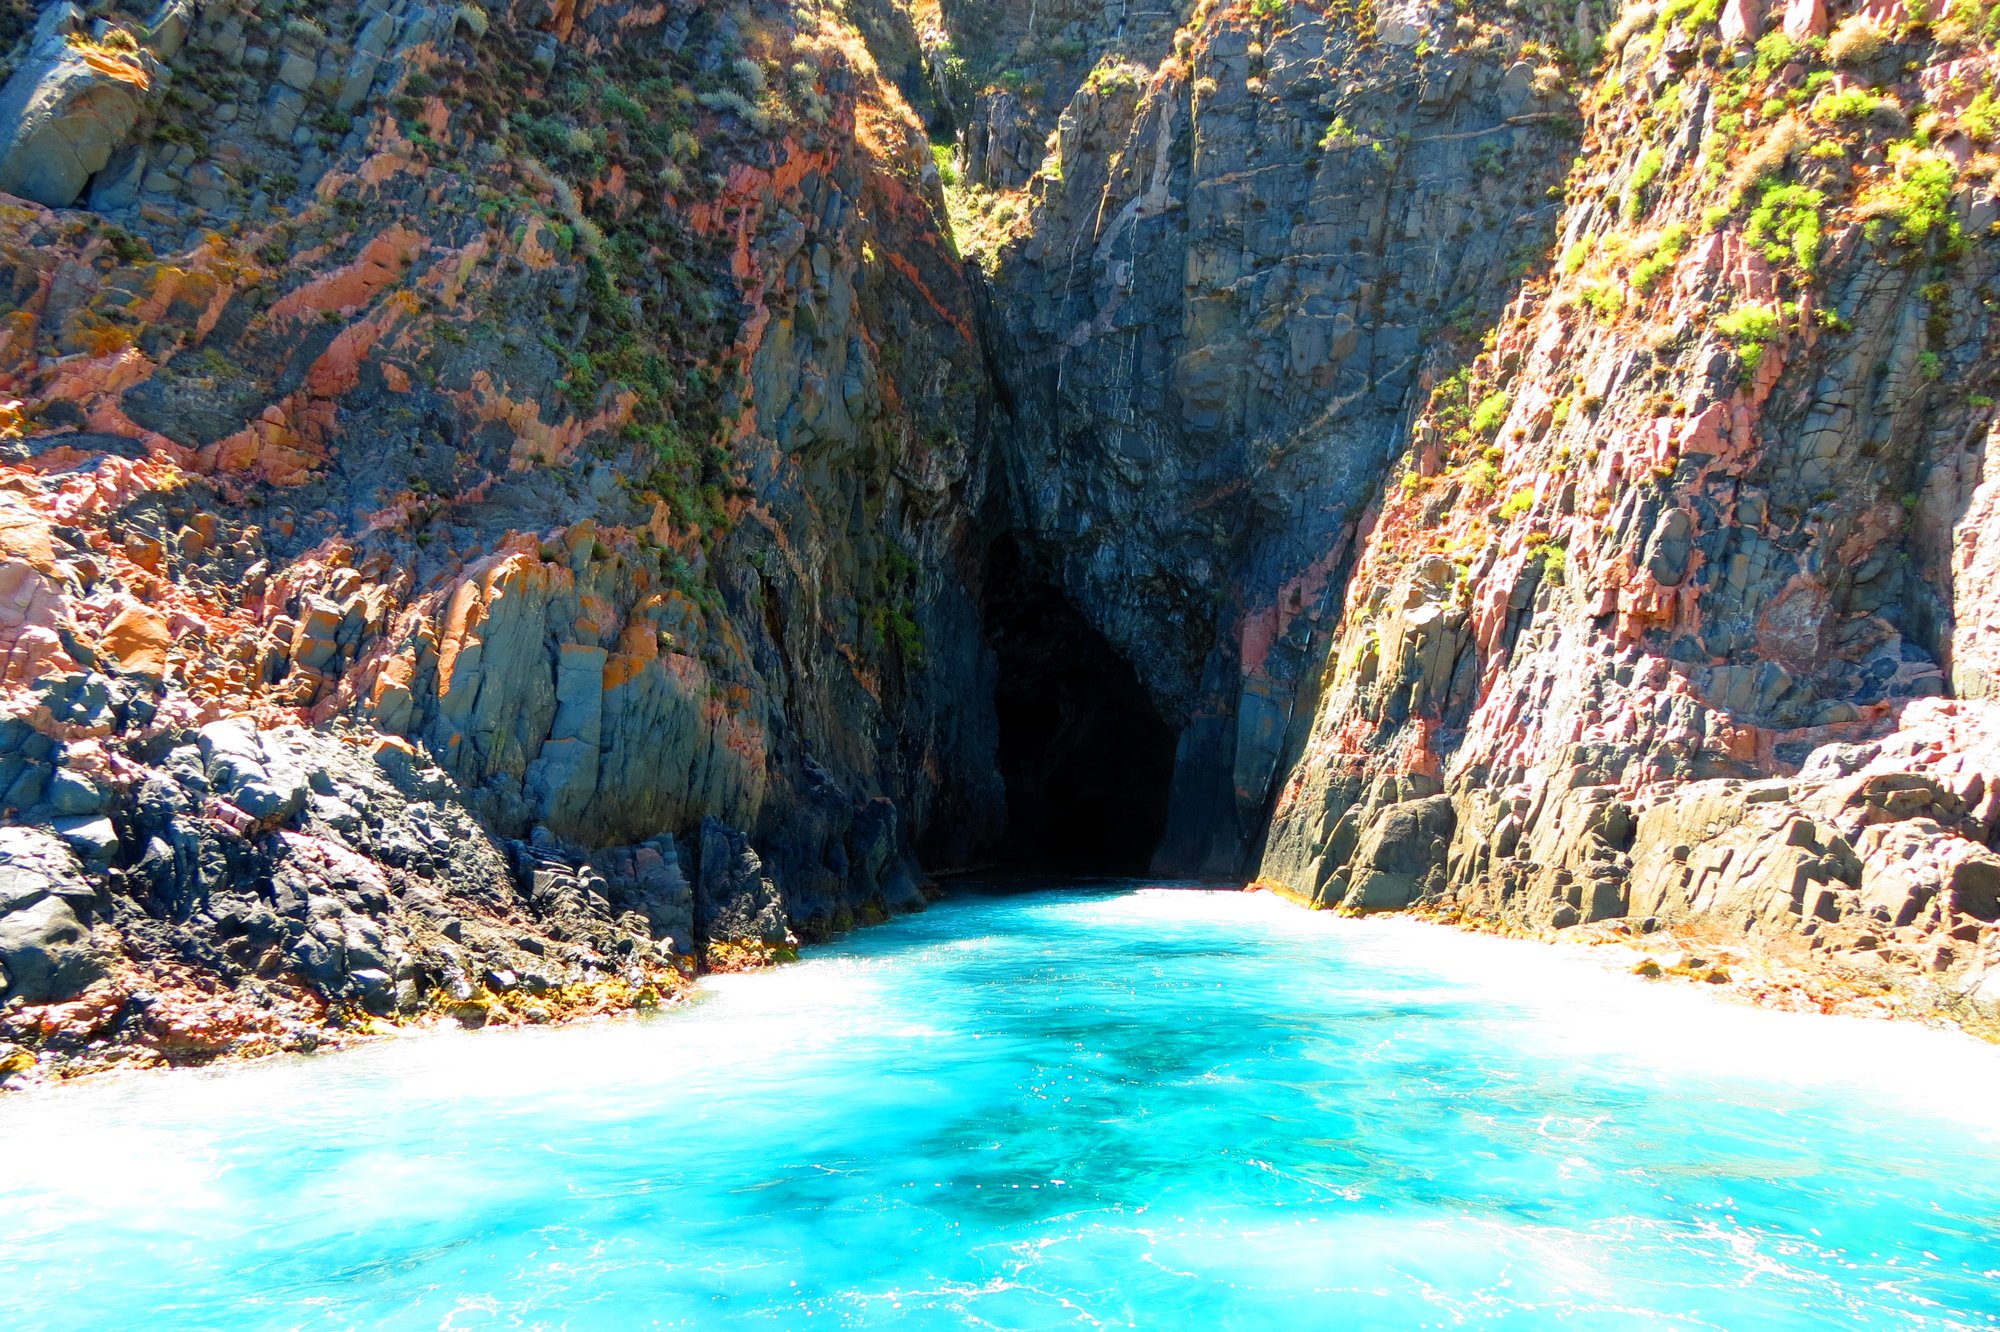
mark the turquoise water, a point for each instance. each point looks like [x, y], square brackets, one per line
[1145, 1108]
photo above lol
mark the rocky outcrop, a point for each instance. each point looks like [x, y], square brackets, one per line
[499, 507]
[464, 463]
[1536, 462]
[1669, 594]
[71, 102]
[45, 950]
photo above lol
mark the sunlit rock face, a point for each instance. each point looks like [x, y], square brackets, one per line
[1670, 597]
[494, 509]
[500, 501]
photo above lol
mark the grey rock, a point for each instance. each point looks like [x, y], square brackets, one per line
[91, 836]
[282, 112]
[60, 117]
[650, 879]
[44, 948]
[70, 792]
[1404, 843]
[735, 902]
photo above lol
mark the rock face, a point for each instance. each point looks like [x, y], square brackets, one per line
[44, 948]
[493, 511]
[1249, 242]
[1672, 596]
[1536, 461]
[68, 106]
[500, 502]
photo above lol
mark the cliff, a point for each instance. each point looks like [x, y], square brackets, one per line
[1672, 611]
[505, 508]
[1535, 459]
[490, 505]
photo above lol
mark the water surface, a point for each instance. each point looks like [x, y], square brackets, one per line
[1148, 1108]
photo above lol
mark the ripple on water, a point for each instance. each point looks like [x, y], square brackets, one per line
[1115, 1107]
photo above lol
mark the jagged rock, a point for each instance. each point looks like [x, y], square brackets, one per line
[650, 879]
[257, 775]
[137, 640]
[734, 901]
[1402, 845]
[1463, 554]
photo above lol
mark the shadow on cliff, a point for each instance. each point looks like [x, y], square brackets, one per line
[1086, 758]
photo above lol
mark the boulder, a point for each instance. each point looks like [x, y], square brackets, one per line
[1402, 845]
[254, 773]
[876, 857]
[649, 879]
[45, 953]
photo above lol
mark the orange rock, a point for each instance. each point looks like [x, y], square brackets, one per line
[137, 639]
[25, 537]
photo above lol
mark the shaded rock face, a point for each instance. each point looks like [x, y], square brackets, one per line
[1249, 245]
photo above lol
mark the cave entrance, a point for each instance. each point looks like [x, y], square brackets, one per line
[1086, 758]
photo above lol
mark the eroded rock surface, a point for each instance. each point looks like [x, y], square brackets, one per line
[1668, 595]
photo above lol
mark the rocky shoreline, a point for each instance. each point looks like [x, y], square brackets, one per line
[202, 1032]
[1792, 979]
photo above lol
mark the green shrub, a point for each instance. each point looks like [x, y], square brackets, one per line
[1853, 104]
[1339, 134]
[1774, 51]
[1916, 199]
[1490, 412]
[1603, 299]
[1786, 225]
[1672, 244]
[1691, 15]
[1643, 176]
[1750, 327]
[1113, 75]
[1981, 118]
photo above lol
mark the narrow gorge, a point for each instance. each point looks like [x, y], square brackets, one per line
[503, 509]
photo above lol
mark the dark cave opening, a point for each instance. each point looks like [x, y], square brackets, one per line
[1086, 758]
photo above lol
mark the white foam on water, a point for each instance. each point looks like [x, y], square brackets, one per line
[1578, 1008]
[816, 1048]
